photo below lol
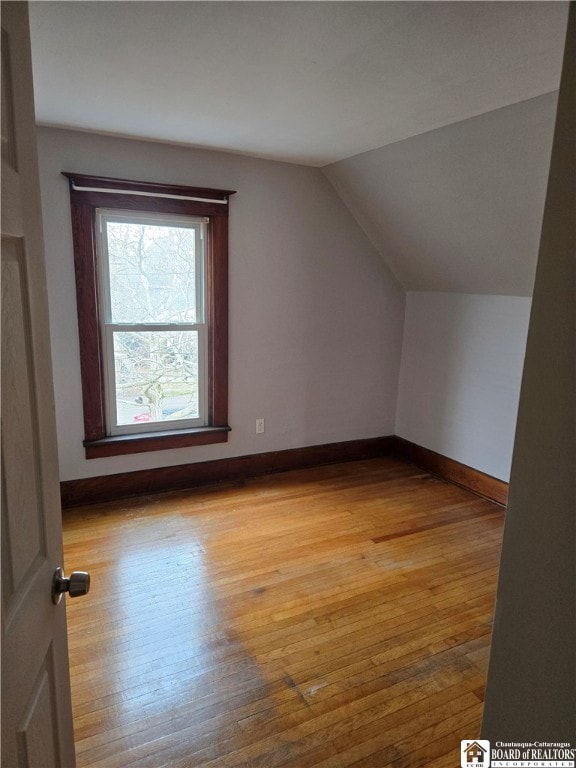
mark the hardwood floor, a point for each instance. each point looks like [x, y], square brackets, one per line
[332, 617]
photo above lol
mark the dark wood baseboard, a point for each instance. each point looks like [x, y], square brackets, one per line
[93, 490]
[448, 469]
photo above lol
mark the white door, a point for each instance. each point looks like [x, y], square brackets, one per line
[36, 712]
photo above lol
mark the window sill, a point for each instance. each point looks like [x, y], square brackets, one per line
[120, 445]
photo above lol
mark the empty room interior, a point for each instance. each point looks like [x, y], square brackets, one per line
[306, 317]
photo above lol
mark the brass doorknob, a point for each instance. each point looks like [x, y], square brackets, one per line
[77, 584]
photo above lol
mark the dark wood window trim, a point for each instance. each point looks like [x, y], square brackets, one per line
[83, 208]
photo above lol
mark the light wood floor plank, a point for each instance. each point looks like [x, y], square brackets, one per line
[323, 618]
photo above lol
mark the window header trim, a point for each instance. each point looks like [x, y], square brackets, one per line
[76, 188]
[82, 183]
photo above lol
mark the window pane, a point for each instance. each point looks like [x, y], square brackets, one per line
[152, 273]
[156, 376]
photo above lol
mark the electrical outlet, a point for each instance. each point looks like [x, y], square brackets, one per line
[259, 426]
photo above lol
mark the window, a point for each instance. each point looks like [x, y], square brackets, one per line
[151, 265]
[152, 320]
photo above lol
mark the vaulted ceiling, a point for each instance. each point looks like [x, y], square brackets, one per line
[433, 120]
[459, 208]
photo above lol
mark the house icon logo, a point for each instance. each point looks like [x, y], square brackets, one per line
[475, 754]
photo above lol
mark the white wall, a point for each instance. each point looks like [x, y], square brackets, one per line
[460, 376]
[315, 316]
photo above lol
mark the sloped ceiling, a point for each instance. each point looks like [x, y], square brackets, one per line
[433, 120]
[459, 208]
